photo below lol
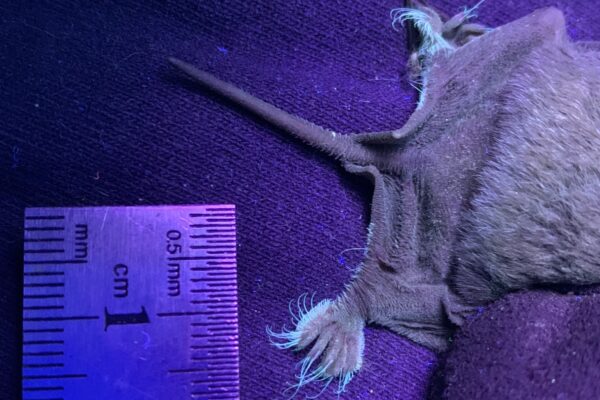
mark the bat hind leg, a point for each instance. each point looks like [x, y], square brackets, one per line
[335, 338]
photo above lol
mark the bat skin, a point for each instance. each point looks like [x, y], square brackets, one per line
[491, 186]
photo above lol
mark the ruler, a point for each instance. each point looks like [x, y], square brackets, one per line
[130, 303]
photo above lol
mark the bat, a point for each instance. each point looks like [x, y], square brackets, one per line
[490, 187]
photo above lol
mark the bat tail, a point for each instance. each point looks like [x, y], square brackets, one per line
[338, 146]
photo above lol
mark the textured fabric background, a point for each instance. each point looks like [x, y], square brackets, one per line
[535, 345]
[93, 115]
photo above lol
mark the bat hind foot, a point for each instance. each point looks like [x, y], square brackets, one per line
[337, 341]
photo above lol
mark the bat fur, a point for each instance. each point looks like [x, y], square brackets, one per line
[492, 186]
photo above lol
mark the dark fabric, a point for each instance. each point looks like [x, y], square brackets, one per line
[93, 115]
[529, 345]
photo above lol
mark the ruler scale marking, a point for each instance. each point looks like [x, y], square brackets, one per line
[43, 388]
[43, 296]
[48, 330]
[44, 365]
[48, 273]
[43, 353]
[53, 262]
[86, 280]
[44, 228]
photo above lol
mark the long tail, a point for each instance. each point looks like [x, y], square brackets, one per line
[342, 147]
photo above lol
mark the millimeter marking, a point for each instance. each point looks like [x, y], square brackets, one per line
[130, 303]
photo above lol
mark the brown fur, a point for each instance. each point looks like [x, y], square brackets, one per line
[493, 185]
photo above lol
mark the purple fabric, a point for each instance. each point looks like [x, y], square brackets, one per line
[93, 115]
[528, 345]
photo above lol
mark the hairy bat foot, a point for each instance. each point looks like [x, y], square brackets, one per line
[338, 342]
[430, 31]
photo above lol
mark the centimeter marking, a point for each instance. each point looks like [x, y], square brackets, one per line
[130, 303]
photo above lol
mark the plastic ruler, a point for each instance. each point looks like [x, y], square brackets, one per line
[130, 303]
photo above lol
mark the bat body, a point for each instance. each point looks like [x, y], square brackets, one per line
[492, 186]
